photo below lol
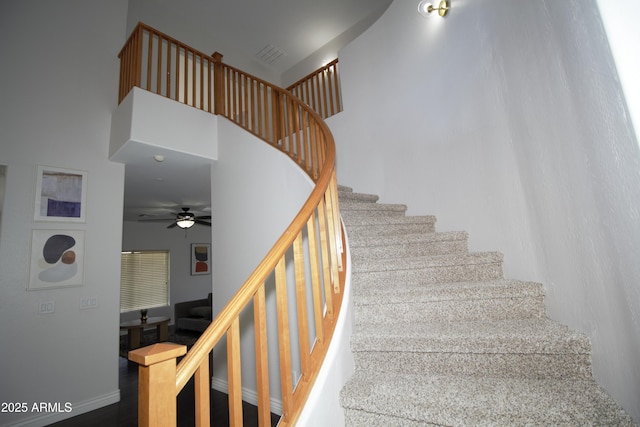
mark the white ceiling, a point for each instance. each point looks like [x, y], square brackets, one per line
[296, 27]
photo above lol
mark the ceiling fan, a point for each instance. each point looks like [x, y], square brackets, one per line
[186, 219]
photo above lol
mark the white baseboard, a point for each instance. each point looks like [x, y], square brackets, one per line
[249, 396]
[77, 408]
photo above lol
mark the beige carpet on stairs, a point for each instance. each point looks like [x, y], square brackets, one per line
[441, 338]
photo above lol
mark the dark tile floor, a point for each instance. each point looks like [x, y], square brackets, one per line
[125, 412]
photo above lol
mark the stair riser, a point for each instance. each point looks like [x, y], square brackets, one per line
[357, 197]
[523, 366]
[455, 273]
[383, 230]
[368, 210]
[407, 250]
[363, 219]
[490, 309]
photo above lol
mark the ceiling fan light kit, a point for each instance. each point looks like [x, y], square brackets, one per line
[184, 219]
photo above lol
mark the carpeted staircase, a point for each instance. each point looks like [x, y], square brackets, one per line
[441, 338]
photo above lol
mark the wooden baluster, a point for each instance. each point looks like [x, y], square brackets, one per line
[202, 394]
[262, 358]
[301, 303]
[157, 383]
[316, 285]
[260, 109]
[168, 78]
[234, 374]
[314, 90]
[194, 62]
[159, 70]
[326, 259]
[330, 89]
[284, 340]
[201, 98]
[333, 229]
[149, 61]
[336, 85]
[305, 141]
[325, 110]
[137, 60]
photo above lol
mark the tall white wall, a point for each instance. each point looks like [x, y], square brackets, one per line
[256, 191]
[506, 119]
[59, 87]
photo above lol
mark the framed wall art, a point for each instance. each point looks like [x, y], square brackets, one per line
[57, 259]
[61, 195]
[200, 258]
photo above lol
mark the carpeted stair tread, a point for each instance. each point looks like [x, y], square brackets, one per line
[409, 399]
[360, 219]
[361, 197]
[531, 335]
[485, 300]
[416, 263]
[398, 229]
[448, 292]
[424, 238]
[347, 206]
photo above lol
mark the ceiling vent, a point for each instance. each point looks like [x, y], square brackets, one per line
[269, 54]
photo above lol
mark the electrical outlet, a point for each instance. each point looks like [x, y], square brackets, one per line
[88, 302]
[46, 307]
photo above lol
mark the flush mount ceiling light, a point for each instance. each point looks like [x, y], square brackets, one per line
[425, 8]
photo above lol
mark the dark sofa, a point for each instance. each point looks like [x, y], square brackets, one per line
[193, 315]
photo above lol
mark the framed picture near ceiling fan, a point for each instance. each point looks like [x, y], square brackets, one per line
[200, 258]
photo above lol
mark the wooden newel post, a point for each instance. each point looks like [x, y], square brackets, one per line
[218, 83]
[157, 383]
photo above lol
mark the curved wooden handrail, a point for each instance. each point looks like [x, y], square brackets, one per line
[313, 241]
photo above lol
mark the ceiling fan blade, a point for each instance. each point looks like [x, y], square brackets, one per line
[172, 225]
[204, 217]
[198, 221]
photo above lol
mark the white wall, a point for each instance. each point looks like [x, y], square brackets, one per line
[59, 87]
[256, 192]
[507, 120]
[182, 285]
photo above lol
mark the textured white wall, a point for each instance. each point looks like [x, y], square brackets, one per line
[256, 192]
[507, 120]
[59, 87]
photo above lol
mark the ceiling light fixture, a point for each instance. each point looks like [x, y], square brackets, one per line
[425, 8]
[185, 220]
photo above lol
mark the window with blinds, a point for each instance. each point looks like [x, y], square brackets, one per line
[144, 280]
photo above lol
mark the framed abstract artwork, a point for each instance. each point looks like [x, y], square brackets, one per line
[57, 259]
[61, 195]
[200, 258]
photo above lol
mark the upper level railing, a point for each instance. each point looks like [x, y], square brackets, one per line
[306, 260]
[320, 90]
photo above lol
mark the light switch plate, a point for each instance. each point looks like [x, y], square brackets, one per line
[46, 307]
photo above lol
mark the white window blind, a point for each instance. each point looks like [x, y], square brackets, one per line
[144, 280]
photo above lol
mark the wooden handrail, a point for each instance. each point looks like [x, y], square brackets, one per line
[312, 244]
[320, 90]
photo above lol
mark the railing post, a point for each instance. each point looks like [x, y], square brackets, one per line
[218, 83]
[157, 383]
